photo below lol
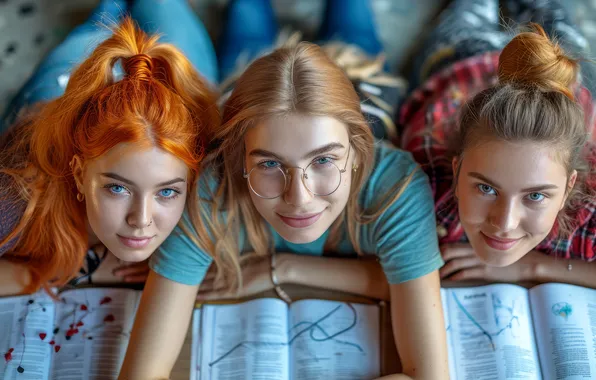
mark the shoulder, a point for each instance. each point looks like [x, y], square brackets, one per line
[394, 171]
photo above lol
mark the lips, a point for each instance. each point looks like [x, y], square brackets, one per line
[300, 221]
[135, 243]
[499, 243]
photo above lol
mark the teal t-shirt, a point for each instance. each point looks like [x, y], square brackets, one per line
[403, 237]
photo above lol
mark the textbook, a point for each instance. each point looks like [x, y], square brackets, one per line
[83, 335]
[269, 339]
[506, 331]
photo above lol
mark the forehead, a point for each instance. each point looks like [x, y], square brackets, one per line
[140, 165]
[294, 135]
[515, 164]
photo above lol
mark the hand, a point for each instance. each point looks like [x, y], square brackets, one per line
[462, 264]
[102, 267]
[256, 278]
[135, 272]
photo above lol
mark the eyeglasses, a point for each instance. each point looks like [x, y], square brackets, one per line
[321, 177]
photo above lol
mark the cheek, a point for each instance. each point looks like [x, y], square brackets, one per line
[167, 216]
[541, 221]
[472, 207]
[104, 211]
[263, 206]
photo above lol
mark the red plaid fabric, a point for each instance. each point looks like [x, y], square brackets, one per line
[430, 116]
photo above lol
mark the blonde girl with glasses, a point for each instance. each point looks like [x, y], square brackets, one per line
[296, 174]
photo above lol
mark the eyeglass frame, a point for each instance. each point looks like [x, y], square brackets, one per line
[285, 173]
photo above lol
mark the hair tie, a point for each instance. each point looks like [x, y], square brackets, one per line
[139, 66]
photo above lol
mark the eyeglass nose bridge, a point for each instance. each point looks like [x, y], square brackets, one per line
[288, 175]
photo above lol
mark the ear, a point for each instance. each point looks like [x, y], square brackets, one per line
[76, 165]
[454, 164]
[570, 185]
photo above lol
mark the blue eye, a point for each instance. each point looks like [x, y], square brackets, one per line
[486, 189]
[323, 161]
[168, 193]
[269, 164]
[536, 197]
[117, 189]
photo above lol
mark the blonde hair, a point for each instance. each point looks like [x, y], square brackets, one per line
[299, 79]
[533, 101]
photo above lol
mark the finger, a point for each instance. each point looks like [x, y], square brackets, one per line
[214, 295]
[136, 278]
[130, 270]
[477, 273]
[458, 264]
[454, 251]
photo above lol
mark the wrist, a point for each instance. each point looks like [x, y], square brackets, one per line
[283, 268]
[539, 268]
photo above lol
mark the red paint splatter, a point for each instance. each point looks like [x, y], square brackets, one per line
[83, 307]
[105, 300]
[80, 323]
[109, 318]
[42, 336]
[56, 348]
[52, 342]
[8, 355]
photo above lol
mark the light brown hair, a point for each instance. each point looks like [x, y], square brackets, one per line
[533, 101]
[292, 79]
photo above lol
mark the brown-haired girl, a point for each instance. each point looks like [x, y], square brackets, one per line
[506, 137]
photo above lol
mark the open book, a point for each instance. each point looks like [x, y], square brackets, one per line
[82, 337]
[267, 339]
[509, 332]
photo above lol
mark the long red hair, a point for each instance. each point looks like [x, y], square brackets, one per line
[161, 101]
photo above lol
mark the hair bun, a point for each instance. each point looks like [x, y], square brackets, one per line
[532, 58]
[139, 66]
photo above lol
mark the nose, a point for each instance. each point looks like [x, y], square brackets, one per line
[505, 215]
[140, 215]
[296, 193]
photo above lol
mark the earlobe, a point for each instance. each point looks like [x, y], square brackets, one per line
[570, 185]
[76, 166]
[454, 164]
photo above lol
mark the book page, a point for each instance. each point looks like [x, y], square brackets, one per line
[27, 323]
[334, 340]
[491, 333]
[565, 326]
[91, 333]
[244, 341]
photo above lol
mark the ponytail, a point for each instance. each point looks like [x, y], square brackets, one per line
[161, 101]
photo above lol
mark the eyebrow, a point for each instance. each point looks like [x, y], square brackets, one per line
[127, 181]
[526, 190]
[324, 149]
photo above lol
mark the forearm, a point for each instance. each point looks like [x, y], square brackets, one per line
[14, 278]
[160, 328]
[549, 269]
[419, 328]
[361, 276]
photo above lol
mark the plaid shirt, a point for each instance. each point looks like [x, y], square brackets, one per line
[430, 115]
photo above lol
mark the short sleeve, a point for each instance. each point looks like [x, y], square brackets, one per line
[179, 259]
[404, 236]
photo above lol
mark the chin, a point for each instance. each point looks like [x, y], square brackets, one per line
[299, 237]
[495, 258]
[132, 255]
